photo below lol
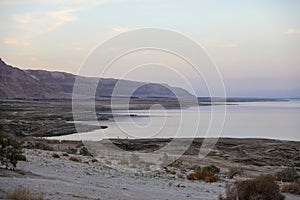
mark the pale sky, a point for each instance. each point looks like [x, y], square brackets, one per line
[255, 44]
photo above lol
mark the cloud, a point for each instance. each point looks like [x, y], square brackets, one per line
[213, 42]
[39, 23]
[292, 31]
[120, 29]
[25, 54]
[63, 16]
[16, 42]
[24, 18]
[10, 41]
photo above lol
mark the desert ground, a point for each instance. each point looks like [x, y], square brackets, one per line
[129, 176]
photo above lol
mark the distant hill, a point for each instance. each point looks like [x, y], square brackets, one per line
[17, 83]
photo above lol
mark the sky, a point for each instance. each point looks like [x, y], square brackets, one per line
[254, 44]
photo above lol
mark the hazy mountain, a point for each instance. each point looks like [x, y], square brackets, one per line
[17, 83]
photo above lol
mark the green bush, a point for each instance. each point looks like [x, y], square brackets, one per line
[70, 150]
[10, 150]
[85, 152]
[287, 175]
[212, 168]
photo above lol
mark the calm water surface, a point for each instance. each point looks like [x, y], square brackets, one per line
[278, 120]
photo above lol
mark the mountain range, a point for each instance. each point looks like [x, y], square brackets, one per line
[41, 84]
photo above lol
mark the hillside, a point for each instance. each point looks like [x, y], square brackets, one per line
[17, 83]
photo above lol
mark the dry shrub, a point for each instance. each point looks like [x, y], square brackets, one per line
[190, 176]
[75, 159]
[267, 178]
[205, 174]
[94, 160]
[65, 154]
[21, 193]
[55, 155]
[235, 171]
[211, 178]
[287, 175]
[293, 188]
[253, 190]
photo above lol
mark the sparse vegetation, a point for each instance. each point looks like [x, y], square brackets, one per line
[253, 190]
[65, 154]
[235, 171]
[94, 160]
[70, 150]
[38, 145]
[10, 150]
[292, 188]
[85, 152]
[21, 193]
[212, 168]
[287, 175]
[267, 178]
[170, 171]
[55, 155]
[75, 159]
[206, 174]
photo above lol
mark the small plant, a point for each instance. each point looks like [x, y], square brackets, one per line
[75, 159]
[21, 157]
[65, 154]
[190, 176]
[10, 150]
[39, 145]
[170, 171]
[235, 171]
[212, 168]
[85, 152]
[292, 188]
[287, 175]
[55, 155]
[21, 193]
[70, 150]
[211, 178]
[205, 174]
[267, 178]
[254, 190]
